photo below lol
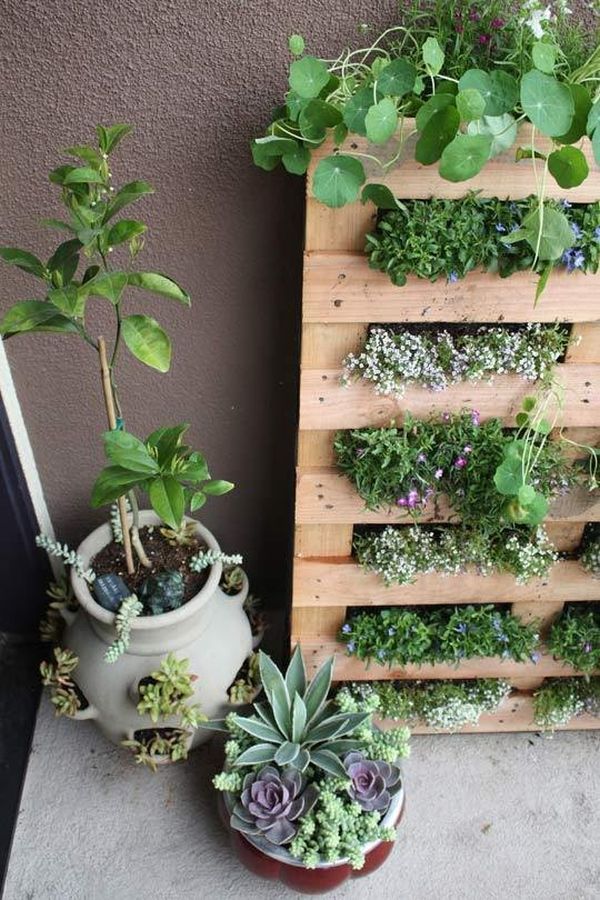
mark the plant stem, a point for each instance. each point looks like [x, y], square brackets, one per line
[135, 531]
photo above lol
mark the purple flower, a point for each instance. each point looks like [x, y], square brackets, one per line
[475, 418]
[452, 277]
[484, 39]
[474, 15]
[438, 474]
[361, 452]
[421, 458]
[459, 29]
[565, 204]
[346, 628]
[429, 492]
[467, 449]
[576, 230]
[402, 501]
[573, 259]
[460, 463]
[413, 499]
[497, 23]
[597, 233]
[587, 647]
[500, 228]
[272, 802]
[350, 646]
[446, 417]
[535, 657]
[372, 783]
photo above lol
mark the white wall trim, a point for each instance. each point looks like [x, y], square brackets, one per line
[23, 444]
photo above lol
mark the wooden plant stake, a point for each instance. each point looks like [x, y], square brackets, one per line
[112, 424]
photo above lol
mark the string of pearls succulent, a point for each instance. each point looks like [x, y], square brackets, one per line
[115, 521]
[129, 610]
[399, 554]
[207, 558]
[392, 359]
[69, 557]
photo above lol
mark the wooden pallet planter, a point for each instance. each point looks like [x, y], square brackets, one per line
[342, 296]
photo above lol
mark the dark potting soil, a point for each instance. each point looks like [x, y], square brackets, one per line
[163, 556]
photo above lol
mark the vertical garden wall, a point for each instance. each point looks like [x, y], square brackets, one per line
[343, 300]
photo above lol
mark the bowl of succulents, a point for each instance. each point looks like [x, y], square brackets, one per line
[312, 795]
[151, 594]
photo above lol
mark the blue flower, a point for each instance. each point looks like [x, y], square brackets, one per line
[452, 277]
[565, 204]
[573, 259]
[535, 657]
[462, 628]
[597, 233]
[350, 646]
[346, 628]
[576, 230]
[500, 228]
[381, 654]
[391, 632]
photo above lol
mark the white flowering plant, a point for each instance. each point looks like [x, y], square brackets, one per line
[561, 699]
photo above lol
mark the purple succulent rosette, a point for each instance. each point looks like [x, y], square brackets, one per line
[372, 782]
[271, 803]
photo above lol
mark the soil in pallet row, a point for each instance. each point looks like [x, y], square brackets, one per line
[163, 556]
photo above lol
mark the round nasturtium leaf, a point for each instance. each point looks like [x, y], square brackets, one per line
[596, 145]
[296, 44]
[498, 89]
[297, 160]
[267, 151]
[437, 134]
[380, 195]
[433, 56]
[338, 180]
[547, 103]
[470, 104]
[431, 107]
[308, 77]
[583, 104]
[568, 166]
[381, 121]
[465, 156]
[543, 55]
[356, 109]
[397, 79]
[316, 117]
[502, 129]
[593, 118]
[551, 234]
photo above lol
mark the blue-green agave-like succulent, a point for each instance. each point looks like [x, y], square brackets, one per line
[298, 726]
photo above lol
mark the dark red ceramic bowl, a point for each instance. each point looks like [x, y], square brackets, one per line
[276, 864]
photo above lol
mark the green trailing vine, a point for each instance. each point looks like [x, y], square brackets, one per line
[447, 634]
[437, 704]
[129, 610]
[464, 115]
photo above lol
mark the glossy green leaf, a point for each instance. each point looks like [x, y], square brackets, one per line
[166, 441]
[543, 55]
[108, 284]
[547, 103]
[83, 175]
[69, 300]
[308, 76]
[125, 450]
[34, 315]
[526, 494]
[257, 728]
[329, 762]
[129, 193]
[57, 224]
[197, 500]
[356, 109]
[556, 233]
[568, 166]
[218, 487]
[431, 107]
[147, 341]
[124, 230]
[380, 195]
[470, 103]
[267, 151]
[381, 121]
[583, 104]
[24, 260]
[397, 78]
[112, 483]
[167, 498]
[316, 117]
[296, 161]
[465, 156]
[112, 135]
[596, 145]
[299, 717]
[499, 89]
[439, 131]
[277, 693]
[318, 689]
[508, 477]
[501, 129]
[256, 755]
[88, 154]
[58, 175]
[286, 753]
[433, 56]
[337, 180]
[295, 676]
[593, 119]
[195, 468]
[159, 284]
[340, 133]
[296, 44]
[65, 255]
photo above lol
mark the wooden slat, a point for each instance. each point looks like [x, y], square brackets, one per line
[515, 714]
[341, 287]
[323, 496]
[544, 613]
[326, 403]
[566, 536]
[341, 581]
[501, 177]
[348, 668]
[323, 540]
[585, 343]
[326, 620]
[324, 345]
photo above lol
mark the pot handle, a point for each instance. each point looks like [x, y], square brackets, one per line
[90, 712]
[239, 598]
[69, 615]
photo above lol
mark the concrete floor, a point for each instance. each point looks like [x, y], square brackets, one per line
[488, 816]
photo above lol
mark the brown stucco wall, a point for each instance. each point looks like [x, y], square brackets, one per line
[197, 80]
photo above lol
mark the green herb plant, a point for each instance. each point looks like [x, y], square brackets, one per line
[561, 699]
[447, 634]
[575, 637]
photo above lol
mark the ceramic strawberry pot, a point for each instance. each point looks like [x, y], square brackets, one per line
[211, 630]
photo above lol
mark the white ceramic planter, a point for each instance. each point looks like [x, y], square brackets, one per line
[211, 630]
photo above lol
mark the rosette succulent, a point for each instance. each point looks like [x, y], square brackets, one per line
[372, 782]
[297, 726]
[272, 802]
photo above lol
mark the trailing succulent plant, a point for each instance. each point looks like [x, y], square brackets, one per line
[69, 557]
[57, 676]
[297, 726]
[129, 610]
[207, 558]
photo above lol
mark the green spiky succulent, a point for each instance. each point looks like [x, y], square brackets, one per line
[297, 726]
